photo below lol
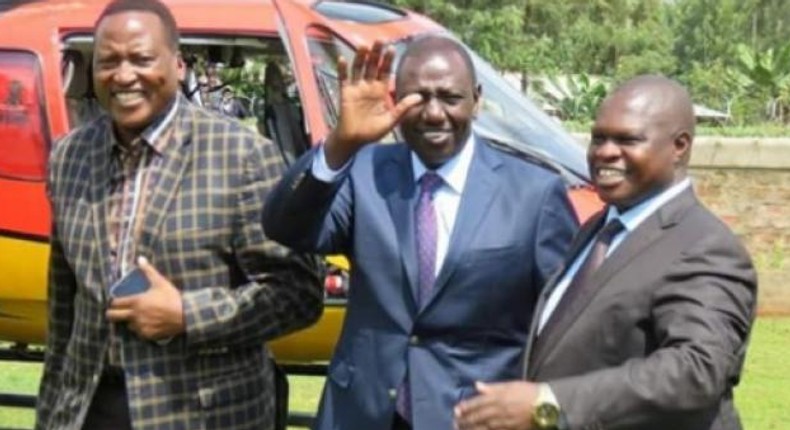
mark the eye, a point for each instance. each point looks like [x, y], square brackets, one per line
[628, 140]
[144, 60]
[597, 139]
[452, 99]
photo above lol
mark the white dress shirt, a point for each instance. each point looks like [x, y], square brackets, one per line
[447, 197]
[631, 219]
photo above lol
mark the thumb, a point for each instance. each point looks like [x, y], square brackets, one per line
[482, 387]
[405, 104]
[153, 275]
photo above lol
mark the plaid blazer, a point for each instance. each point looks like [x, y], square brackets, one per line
[202, 231]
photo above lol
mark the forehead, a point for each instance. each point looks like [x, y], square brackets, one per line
[130, 25]
[445, 66]
[625, 111]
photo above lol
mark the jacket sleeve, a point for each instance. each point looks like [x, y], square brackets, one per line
[310, 215]
[701, 316]
[285, 288]
[61, 290]
[555, 228]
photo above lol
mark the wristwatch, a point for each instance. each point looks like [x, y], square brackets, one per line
[546, 411]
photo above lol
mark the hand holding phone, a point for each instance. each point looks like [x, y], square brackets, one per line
[134, 282]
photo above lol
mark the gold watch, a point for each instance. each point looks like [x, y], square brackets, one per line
[546, 411]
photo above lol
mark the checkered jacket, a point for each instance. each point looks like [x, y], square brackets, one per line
[202, 231]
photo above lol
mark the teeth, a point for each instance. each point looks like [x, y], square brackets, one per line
[126, 98]
[609, 173]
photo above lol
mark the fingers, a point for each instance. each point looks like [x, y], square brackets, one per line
[119, 315]
[358, 66]
[405, 104]
[342, 69]
[370, 63]
[153, 275]
[386, 64]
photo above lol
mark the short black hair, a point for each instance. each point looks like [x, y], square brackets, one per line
[437, 42]
[155, 7]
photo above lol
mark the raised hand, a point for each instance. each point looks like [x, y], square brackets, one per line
[367, 111]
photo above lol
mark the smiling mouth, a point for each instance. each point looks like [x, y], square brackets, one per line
[434, 135]
[608, 176]
[126, 99]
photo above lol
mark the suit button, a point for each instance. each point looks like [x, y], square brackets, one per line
[414, 340]
[393, 393]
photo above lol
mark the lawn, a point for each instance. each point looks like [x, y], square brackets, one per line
[763, 397]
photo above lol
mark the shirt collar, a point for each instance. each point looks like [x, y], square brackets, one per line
[634, 216]
[154, 131]
[454, 171]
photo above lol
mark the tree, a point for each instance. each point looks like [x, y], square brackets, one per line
[766, 72]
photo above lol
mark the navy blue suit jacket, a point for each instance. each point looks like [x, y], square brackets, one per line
[513, 227]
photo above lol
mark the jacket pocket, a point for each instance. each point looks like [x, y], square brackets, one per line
[231, 390]
[341, 373]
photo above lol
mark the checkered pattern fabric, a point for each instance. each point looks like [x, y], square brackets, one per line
[201, 230]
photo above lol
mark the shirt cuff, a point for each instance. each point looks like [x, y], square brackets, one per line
[321, 170]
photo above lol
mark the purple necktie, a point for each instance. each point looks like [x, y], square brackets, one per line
[427, 231]
[581, 280]
[426, 235]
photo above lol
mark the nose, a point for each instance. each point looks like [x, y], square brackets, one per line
[124, 74]
[433, 111]
[604, 151]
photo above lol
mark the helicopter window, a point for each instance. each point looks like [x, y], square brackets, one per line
[325, 47]
[24, 140]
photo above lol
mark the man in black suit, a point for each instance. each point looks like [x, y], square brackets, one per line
[647, 327]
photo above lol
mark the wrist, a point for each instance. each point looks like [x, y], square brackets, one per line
[546, 409]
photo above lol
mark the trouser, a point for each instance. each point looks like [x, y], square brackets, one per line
[109, 409]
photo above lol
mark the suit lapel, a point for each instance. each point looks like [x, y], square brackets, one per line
[482, 186]
[397, 181]
[645, 235]
[536, 344]
[175, 161]
[100, 159]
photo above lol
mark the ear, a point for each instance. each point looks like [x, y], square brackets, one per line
[181, 67]
[477, 94]
[682, 146]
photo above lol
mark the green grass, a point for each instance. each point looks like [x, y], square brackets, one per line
[762, 398]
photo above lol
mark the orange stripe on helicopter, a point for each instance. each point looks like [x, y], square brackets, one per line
[24, 208]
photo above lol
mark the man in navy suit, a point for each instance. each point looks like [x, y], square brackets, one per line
[450, 239]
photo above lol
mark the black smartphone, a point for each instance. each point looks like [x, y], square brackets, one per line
[132, 283]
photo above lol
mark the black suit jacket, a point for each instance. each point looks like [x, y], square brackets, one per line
[660, 344]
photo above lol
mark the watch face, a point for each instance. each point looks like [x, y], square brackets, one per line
[546, 416]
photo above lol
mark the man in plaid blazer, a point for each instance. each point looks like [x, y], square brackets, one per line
[177, 191]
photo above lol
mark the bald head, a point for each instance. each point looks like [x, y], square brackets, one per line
[422, 48]
[663, 100]
[641, 140]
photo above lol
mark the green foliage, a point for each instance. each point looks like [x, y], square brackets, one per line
[699, 42]
[576, 97]
[767, 72]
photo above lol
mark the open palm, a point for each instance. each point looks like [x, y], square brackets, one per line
[367, 111]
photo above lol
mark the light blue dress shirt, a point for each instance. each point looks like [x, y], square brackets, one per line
[631, 219]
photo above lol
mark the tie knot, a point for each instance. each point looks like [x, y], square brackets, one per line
[429, 182]
[610, 230]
